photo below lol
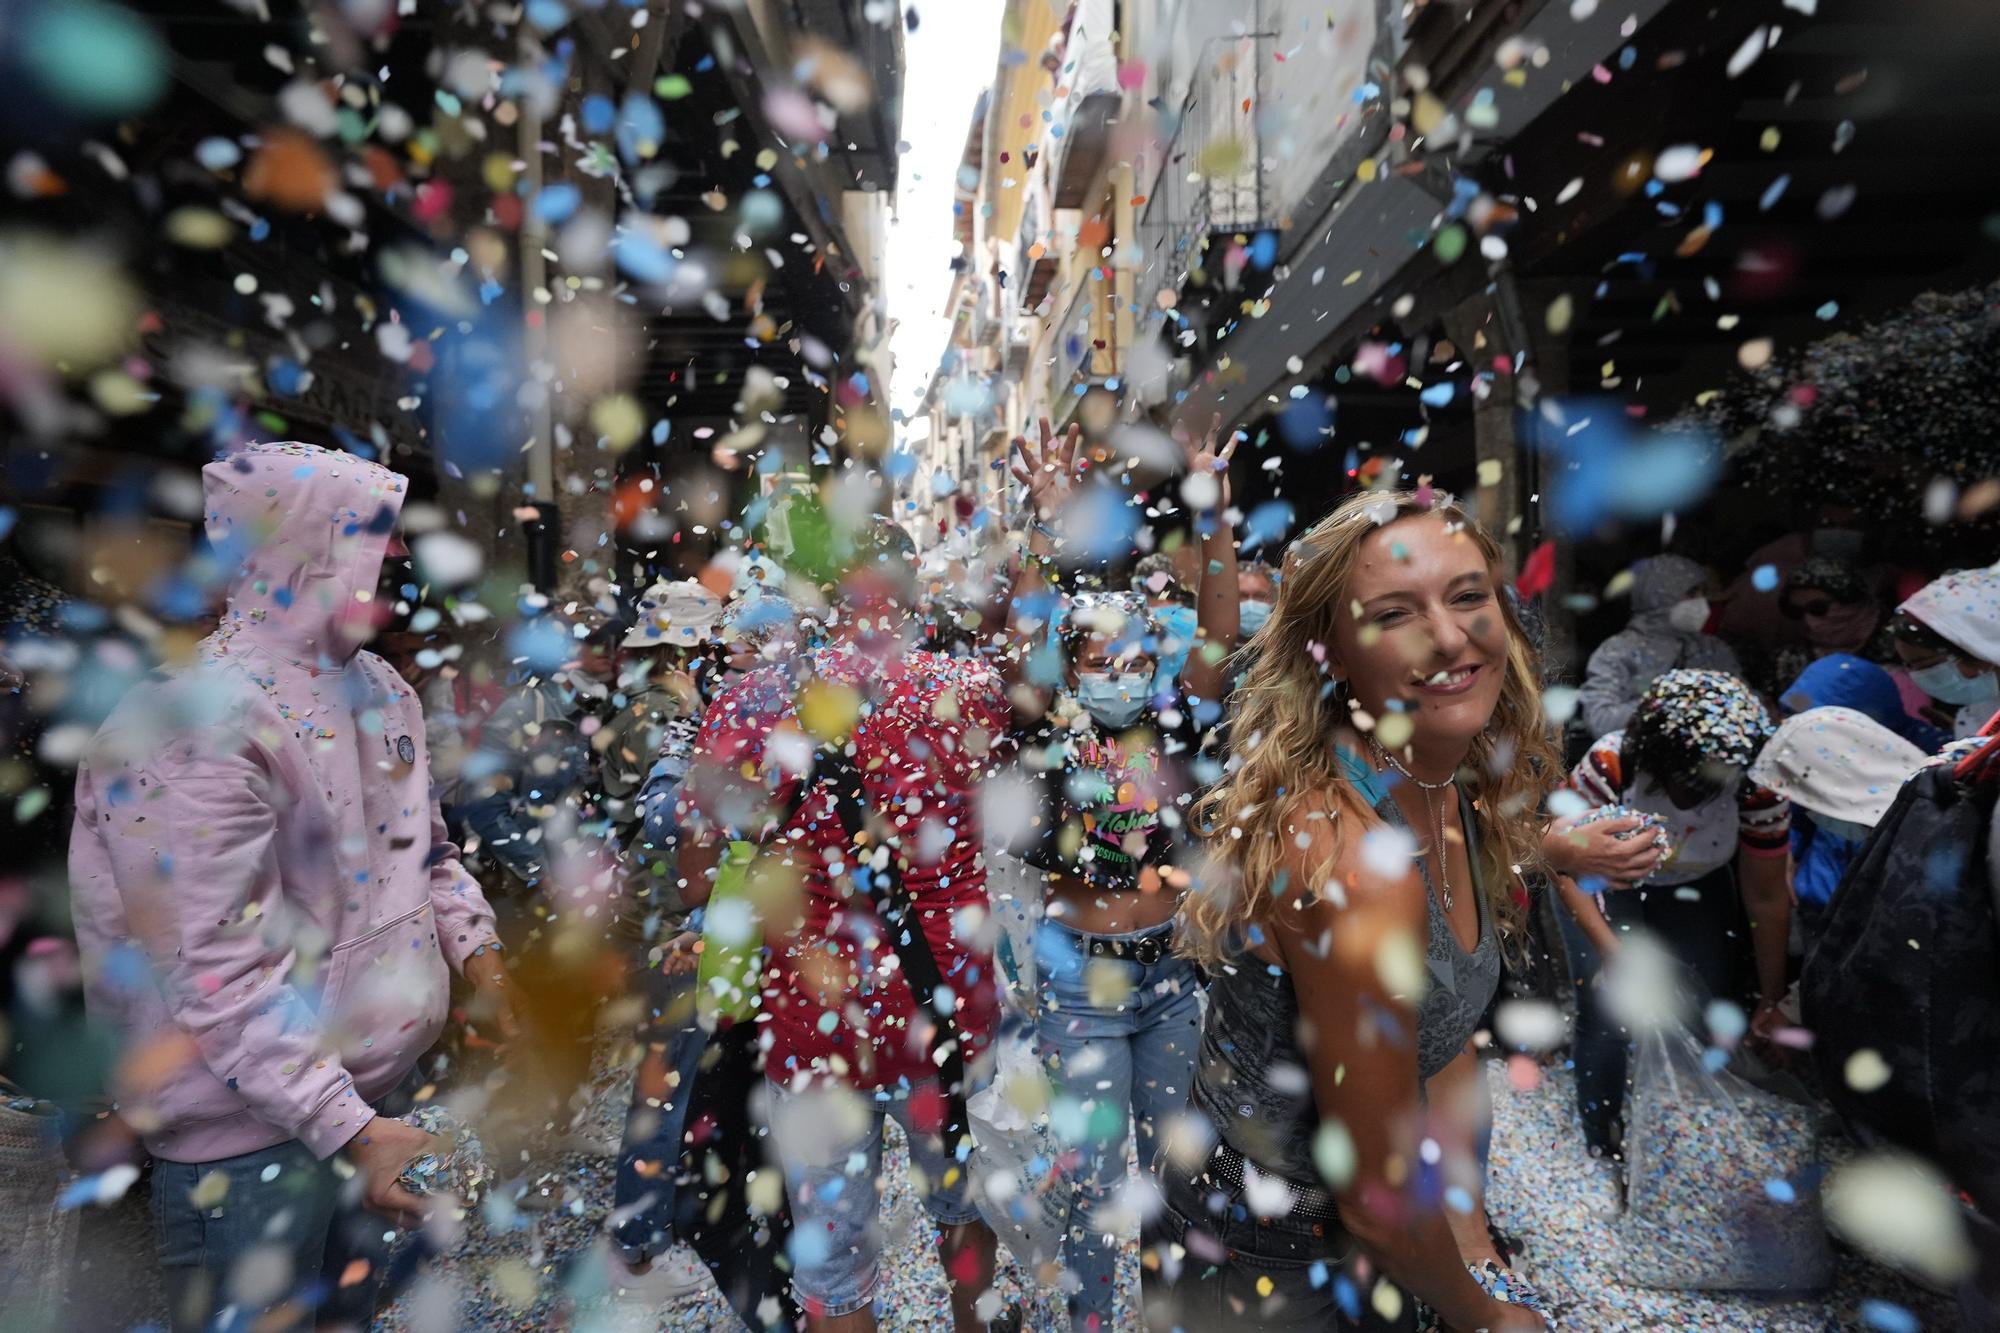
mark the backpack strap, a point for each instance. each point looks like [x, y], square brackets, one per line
[906, 936]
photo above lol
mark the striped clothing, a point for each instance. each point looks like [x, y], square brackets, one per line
[1705, 838]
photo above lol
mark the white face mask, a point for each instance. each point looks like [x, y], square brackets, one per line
[1689, 615]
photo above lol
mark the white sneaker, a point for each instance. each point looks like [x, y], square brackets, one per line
[674, 1275]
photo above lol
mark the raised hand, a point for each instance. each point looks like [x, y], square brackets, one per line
[1049, 472]
[1206, 457]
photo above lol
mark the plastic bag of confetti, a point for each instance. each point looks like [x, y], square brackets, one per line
[1015, 1181]
[1721, 1176]
[460, 1170]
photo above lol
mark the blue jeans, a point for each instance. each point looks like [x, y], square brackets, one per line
[645, 1194]
[830, 1139]
[1120, 1058]
[279, 1235]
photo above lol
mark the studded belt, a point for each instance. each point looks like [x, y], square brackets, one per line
[1145, 950]
[1225, 1171]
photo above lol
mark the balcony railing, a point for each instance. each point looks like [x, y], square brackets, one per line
[1213, 179]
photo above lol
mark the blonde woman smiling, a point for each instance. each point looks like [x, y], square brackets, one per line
[1391, 755]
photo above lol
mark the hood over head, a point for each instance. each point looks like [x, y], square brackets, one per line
[305, 529]
[1838, 763]
[1964, 607]
[1660, 582]
[1842, 680]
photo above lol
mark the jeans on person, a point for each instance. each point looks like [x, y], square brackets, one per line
[1118, 1039]
[1702, 925]
[264, 1240]
[645, 1195]
[1213, 1264]
[830, 1140]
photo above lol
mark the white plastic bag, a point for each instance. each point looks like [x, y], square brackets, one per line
[1722, 1177]
[1015, 1182]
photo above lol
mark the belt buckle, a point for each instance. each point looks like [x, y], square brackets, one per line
[1145, 951]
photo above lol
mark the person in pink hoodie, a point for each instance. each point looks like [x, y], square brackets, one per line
[267, 904]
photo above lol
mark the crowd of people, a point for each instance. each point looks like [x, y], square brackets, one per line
[1245, 856]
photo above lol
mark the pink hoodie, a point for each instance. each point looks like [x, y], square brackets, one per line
[265, 898]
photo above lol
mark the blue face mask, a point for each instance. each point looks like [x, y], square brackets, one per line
[1114, 700]
[1252, 615]
[1849, 829]
[1944, 682]
[1177, 630]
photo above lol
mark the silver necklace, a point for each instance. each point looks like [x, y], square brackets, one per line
[1431, 804]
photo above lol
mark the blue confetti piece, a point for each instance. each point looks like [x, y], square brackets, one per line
[1773, 193]
[1267, 524]
[540, 643]
[1317, 1274]
[1888, 1317]
[218, 154]
[599, 114]
[1305, 423]
[558, 202]
[762, 211]
[1781, 1191]
[1102, 523]
[547, 15]
[641, 257]
[1439, 394]
[1764, 578]
[641, 128]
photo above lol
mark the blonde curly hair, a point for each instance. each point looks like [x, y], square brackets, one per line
[1283, 719]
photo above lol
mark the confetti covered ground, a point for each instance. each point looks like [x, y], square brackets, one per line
[549, 1267]
[1546, 1191]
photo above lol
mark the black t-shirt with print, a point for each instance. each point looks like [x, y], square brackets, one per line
[1113, 806]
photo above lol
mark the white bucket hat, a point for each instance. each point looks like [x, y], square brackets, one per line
[681, 614]
[1837, 762]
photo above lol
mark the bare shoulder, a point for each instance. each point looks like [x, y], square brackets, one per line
[1349, 878]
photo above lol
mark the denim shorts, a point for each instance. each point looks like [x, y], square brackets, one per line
[830, 1140]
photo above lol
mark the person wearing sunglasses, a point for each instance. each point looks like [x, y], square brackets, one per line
[1830, 607]
[1947, 637]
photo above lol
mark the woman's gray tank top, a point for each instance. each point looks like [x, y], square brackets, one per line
[1251, 1078]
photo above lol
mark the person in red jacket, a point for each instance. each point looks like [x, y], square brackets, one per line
[844, 1045]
